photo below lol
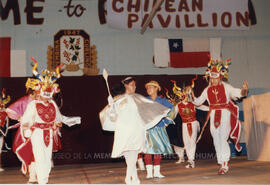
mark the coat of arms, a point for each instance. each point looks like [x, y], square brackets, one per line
[72, 48]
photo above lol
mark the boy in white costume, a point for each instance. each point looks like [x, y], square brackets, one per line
[224, 122]
[190, 125]
[39, 121]
[129, 115]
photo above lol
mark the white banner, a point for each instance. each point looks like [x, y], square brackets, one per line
[180, 14]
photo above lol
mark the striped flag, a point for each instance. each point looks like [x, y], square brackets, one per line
[187, 52]
[12, 62]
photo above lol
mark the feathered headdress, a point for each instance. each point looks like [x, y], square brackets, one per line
[44, 82]
[217, 69]
[4, 99]
[180, 93]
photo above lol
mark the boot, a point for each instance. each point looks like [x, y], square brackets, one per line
[32, 174]
[128, 180]
[180, 153]
[157, 172]
[141, 164]
[181, 160]
[149, 170]
[223, 169]
[191, 164]
[135, 181]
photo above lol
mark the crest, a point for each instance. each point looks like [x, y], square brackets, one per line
[72, 48]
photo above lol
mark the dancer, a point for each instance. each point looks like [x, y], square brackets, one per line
[157, 142]
[174, 131]
[130, 115]
[224, 122]
[38, 122]
[15, 111]
[190, 126]
[4, 122]
[187, 111]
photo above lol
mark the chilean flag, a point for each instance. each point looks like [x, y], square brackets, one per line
[12, 62]
[186, 52]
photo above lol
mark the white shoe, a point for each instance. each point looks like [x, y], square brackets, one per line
[128, 181]
[1, 169]
[149, 170]
[157, 172]
[181, 160]
[32, 182]
[141, 164]
[223, 169]
[191, 164]
[135, 181]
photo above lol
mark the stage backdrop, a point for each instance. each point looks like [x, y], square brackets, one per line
[86, 96]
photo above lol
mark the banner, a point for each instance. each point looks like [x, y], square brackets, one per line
[180, 14]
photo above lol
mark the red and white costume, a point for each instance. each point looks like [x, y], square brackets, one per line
[39, 126]
[190, 127]
[40, 119]
[224, 122]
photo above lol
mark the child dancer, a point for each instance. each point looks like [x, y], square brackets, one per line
[129, 115]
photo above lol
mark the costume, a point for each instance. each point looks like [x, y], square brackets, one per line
[157, 138]
[4, 122]
[39, 119]
[38, 126]
[157, 142]
[129, 117]
[224, 122]
[191, 127]
[134, 112]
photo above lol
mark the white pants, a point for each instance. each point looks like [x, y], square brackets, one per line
[221, 135]
[131, 159]
[190, 141]
[1, 143]
[42, 155]
[32, 172]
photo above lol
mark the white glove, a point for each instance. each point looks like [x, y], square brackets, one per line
[27, 133]
[110, 100]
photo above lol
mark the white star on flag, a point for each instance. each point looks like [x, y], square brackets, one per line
[175, 45]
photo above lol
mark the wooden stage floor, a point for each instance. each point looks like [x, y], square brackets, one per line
[241, 171]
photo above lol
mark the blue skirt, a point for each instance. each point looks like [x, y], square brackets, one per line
[157, 141]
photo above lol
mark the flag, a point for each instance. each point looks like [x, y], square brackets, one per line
[12, 62]
[187, 52]
[5, 57]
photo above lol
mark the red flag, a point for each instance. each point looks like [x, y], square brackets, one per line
[5, 56]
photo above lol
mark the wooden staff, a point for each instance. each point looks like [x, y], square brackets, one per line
[105, 76]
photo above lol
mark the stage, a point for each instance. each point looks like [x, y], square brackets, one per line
[241, 171]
